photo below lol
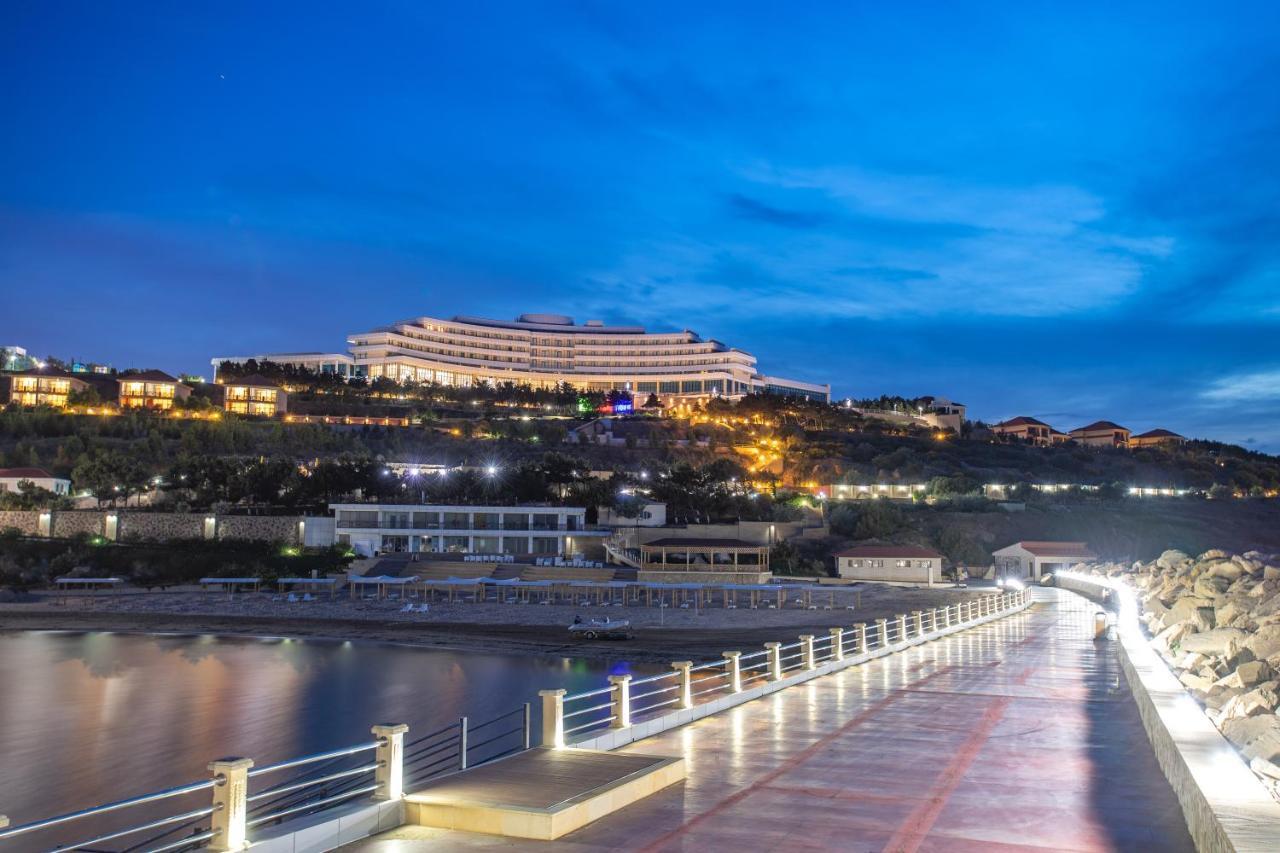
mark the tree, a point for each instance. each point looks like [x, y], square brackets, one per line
[110, 476]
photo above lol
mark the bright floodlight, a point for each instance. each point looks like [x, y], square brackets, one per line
[491, 470]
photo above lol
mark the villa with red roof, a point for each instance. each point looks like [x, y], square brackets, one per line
[1101, 434]
[1025, 429]
[1156, 438]
[10, 478]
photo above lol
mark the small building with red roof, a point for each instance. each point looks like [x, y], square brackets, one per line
[11, 478]
[1034, 559]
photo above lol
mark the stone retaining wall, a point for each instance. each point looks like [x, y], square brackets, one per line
[157, 526]
[259, 528]
[76, 523]
[27, 521]
[160, 526]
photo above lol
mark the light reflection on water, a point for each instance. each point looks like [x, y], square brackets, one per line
[90, 717]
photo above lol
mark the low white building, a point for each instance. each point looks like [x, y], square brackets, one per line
[1034, 559]
[895, 564]
[539, 531]
[10, 478]
[651, 514]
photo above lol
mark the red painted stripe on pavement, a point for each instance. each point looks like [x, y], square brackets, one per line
[913, 831]
[787, 766]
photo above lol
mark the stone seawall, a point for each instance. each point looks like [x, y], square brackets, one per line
[1227, 807]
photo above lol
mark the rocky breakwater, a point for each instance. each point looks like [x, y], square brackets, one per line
[1216, 620]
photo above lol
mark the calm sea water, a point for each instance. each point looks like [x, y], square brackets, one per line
[86, 718]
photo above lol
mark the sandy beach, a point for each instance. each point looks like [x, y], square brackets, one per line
[660, 634]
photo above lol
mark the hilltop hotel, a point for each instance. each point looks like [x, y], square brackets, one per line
[545, 349]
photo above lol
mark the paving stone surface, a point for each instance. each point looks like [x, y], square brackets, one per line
[1015, 735]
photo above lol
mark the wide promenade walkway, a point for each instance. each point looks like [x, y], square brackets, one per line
[1016, 735]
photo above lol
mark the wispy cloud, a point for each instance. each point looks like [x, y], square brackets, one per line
[1261, 386]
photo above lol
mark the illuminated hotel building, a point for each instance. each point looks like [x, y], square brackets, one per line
[543, 350]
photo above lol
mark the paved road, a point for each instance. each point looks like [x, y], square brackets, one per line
[1016, 735]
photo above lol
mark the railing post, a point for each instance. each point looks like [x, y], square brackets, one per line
[230, 804]
[552, 718]
[919, 614]
[1022, 595]
[806, 651]
[528, 726]
[733, 666]
[389, 774]
[685, 674]
[621, 701]
[882, 632]
[837, 643]
[4, 821]
[462, 743]
[901, 623]
[775, 661]
[933, 620]
[860, 638]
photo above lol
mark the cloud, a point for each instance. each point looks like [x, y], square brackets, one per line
[1261, 386]
[746, 207]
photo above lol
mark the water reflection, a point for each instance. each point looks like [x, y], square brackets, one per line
[90, 717]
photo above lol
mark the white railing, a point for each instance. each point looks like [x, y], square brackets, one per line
[240, 802]
[569, 718]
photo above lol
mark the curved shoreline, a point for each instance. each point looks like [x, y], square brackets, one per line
[480, 639]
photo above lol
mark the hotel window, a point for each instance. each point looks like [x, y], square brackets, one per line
[669, 387]
[715, 385]
[646, 387]
[546, 545]
[691, 386]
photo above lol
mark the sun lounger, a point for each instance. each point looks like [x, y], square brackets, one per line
[293, 598]
[408, 607]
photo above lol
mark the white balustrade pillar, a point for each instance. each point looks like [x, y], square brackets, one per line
[806, 651]
[901, 623]
[860, 638]
[389, 774]
[837, 643]
[733, 666]
[775, 661]
[621, 701]
[230, 804]
[552, 718]
[882, 632]
[919, 614]
[683, 669]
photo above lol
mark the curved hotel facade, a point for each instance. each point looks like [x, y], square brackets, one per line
[545, 349]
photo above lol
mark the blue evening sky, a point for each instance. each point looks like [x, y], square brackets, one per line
[1065, 210]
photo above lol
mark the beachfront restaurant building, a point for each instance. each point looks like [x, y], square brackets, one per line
[704, 561]
[518, 531]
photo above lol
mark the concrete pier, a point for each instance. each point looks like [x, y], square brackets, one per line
[1015, 735]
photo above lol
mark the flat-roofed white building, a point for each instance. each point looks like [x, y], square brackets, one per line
[519, 531]
[544, 350]
[895, 564]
